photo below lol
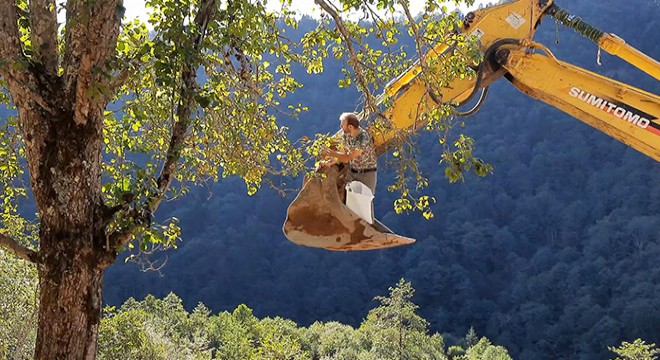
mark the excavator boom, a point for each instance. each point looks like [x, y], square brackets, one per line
[626, 113]
[318, 217]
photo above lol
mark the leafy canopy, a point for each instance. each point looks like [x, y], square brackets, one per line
[236, 106]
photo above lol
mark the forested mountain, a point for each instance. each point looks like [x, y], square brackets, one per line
[554, 255]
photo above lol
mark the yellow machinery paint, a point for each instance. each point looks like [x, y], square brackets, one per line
[318, 216]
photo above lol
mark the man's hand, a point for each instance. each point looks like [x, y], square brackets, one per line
[338, 156]
[326, 163]
[329, 158]
[329, 153]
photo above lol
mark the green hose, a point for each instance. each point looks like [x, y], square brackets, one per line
[575, 23]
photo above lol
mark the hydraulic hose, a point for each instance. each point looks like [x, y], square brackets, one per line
[608, 42]
[476, 107]
[488, 56]
[575, 23]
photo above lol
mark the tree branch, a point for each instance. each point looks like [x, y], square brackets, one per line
[15, 68]
[184, 108]
[10, 44]
[11, 54]
[24, 88]
[353, 61]
[415, 28]
[177, 141]
[19, 250]
[43, 23]
[92, 28]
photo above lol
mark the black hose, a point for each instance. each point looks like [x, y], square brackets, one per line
[476, 107]
[488, 56]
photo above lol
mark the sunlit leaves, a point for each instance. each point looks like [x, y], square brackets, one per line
[12, 154]
[134, 50]
[378, 65]
[243, 73]
[18, 306]
[18, 291]
[24, 26]
[638, 349]
[460, 159]
[5, 100]
[314, 47]
[154, 237]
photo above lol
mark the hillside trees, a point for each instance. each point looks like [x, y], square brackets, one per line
[162, 329]
[155, 328]
[395, 331]
[112, 120]
[638, 349]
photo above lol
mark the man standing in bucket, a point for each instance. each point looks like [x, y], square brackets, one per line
[358, 152]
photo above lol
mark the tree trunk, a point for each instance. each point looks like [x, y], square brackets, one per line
[70, 303]
[61, 121]
[64, 157]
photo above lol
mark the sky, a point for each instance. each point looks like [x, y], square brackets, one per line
[137, 8]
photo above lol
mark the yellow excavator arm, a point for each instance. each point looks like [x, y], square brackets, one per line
[505, 33]
[318, 216]
[626, 113]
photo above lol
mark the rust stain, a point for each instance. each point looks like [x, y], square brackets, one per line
[358, 235]
[310, 221]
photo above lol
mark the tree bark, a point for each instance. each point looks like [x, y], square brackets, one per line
[64, 158]
[70, 304]
[61, 119]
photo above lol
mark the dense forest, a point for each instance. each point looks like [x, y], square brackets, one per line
[157, 329]
[550, 256]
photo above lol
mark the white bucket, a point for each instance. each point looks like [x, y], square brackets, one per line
[358, 199]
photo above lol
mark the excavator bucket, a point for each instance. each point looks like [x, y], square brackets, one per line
[317, 217]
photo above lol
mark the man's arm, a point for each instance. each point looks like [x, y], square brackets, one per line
[342, 157]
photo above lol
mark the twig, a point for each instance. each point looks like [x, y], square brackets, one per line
[415, 28]
[354, 62]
